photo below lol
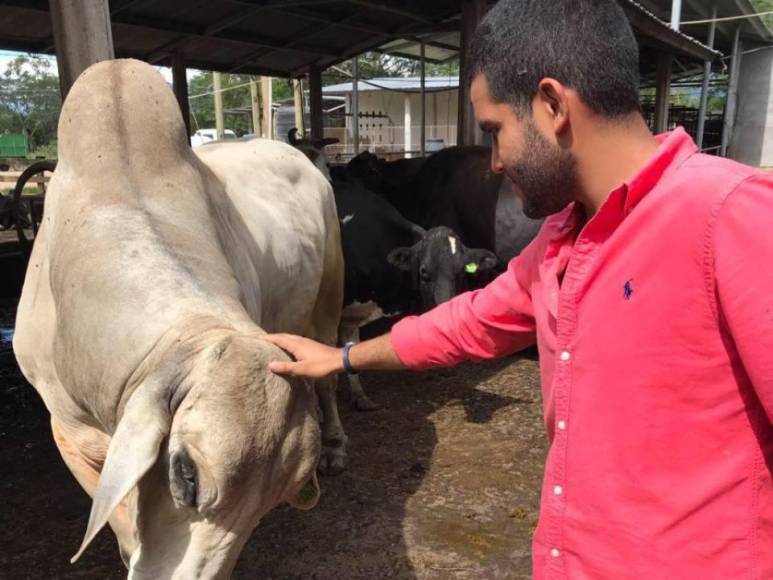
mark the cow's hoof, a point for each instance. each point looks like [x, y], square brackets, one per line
[332, 461]
[365, 404]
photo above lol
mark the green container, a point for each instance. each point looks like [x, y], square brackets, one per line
[14, 145]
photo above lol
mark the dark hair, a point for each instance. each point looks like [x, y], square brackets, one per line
[587, 45]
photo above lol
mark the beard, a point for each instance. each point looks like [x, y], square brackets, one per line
[545, 174]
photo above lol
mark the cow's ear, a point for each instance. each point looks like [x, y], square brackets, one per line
[479, 261]
[401, 258]
[308, 496]
[133, 450]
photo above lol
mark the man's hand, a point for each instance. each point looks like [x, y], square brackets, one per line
[313, 360]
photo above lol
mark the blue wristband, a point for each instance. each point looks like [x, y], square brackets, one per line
[347, 365]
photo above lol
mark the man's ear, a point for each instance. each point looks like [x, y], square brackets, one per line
[552, 102]
[401, 258]
[133, 450]
[479, 261]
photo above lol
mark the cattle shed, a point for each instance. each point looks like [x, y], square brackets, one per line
[301, 38]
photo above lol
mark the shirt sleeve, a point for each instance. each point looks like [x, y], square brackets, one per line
[743, 261]
[494, 321]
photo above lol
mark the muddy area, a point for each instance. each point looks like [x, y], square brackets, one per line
[442, 483]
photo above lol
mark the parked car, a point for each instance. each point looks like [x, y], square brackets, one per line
[203, 136]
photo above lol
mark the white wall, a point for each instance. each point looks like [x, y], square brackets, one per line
[384, 135]
[752, 139]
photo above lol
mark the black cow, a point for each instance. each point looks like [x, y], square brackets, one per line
[390, 179]
[456, 188]
[394, 267]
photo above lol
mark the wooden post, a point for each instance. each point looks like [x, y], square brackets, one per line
[298, 105]
[219, 124]
[255, 104]
[706, 78]
[82, 37]
[315, 102]
[663, 91]
[180, 87]
[732, 92]
[268, 117]
[467, 130]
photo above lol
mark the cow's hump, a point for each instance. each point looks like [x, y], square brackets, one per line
[121, 112]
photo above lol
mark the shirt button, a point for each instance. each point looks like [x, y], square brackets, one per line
[558, 490]
[565, 356]
[562, 425]
[555, 552]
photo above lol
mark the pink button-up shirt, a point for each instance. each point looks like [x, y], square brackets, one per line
[656, 353]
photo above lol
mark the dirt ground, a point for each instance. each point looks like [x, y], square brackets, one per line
[442, 483]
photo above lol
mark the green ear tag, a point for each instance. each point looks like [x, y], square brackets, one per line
[471, 268]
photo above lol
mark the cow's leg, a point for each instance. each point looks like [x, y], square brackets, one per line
[326, 320]
[333, 458]
[360, 400]
[84, 450]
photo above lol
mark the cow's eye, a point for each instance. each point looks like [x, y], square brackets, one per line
[184, 479]
[425, 274]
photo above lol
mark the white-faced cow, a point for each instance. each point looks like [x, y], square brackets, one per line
[152, 281]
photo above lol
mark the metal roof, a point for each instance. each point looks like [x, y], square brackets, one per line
[273, 37]
[753, 30]
[401, 84]
[286, 37]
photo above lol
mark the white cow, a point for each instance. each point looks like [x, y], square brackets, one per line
[152, 281]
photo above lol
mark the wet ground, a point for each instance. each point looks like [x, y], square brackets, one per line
[442, 483]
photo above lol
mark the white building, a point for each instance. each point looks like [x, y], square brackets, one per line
[390, 114]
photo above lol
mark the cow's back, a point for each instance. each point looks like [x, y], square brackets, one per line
[283, 222]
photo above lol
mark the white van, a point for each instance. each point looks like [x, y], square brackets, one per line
[203, 136]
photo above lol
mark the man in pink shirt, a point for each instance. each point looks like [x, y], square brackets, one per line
[649, 292]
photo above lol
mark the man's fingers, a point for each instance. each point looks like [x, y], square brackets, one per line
[282, 368]
[283, 341]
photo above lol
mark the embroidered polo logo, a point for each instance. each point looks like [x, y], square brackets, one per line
[628, 289]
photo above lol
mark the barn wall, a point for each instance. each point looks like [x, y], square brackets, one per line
[386, 134]
[752, 139]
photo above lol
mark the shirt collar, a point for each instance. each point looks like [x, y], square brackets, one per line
[674, 148]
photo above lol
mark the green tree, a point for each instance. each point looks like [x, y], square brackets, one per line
[236, 94]
[30, 101]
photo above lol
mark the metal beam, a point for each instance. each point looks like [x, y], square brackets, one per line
[423, 131]
[180, 88]
[315, 102]
[195, 32]
[706, 78]
[662, 91]
[467, 131]
[653, 28]
[382, 7]
[82, 36]
[356, 104]
[676, 13]
[210, 30]
[314, 29]
[732, 92]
